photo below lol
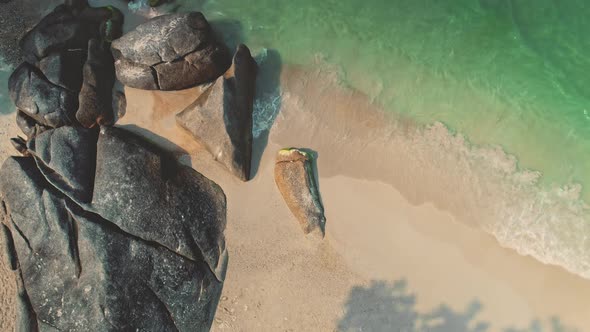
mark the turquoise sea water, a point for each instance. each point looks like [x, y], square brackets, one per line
[511, 73]
[507, 72]
[5, 104]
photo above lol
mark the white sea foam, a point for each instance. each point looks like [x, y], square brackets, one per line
[480, 185]
[268, 98]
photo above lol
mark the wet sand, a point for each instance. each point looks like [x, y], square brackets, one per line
[401, 251]
[390, 259]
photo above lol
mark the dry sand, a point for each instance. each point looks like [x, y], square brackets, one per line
[8, 129]
[391, 259]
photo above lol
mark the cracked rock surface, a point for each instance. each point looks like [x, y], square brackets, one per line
[170, 52]
[106, 232]
[68, 76]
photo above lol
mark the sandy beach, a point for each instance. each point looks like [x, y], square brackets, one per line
[400, 251]
[388, 261]
[425, 231]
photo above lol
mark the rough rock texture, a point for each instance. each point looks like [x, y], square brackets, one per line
[28, 125]
[59, 30]
[48, 104]
[67, 158]
[296, 182]
[16, 18]
[69, 74]
[64, 68]
[144, 251]
[96, 95]
[221, 118]
[170, 52]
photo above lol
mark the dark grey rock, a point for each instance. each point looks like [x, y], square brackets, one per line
[109, 20]
[296, 181]
[20, 145]
[221, 118]
[83, 267]
[60, 30]
[48, 104]
[28, 125]
[144, 191]
[64, 68]
[96, 95]
[67, 157]
[170, 52]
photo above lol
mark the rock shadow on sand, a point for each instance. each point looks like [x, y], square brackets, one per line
[385, 306]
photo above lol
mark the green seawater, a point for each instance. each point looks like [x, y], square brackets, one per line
[5, 103]
[501, 72]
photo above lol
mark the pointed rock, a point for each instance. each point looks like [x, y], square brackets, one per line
[66, 156]
[296, 182]
[221, 118]
[96, 96]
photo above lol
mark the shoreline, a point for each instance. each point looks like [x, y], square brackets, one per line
[425, 230]
[385, 241]
[263, 238]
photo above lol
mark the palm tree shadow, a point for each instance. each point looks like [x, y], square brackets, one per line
[380, 307]
[391, 307]
[384, 306]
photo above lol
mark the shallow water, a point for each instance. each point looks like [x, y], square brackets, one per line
[500, 72]
[5, 104]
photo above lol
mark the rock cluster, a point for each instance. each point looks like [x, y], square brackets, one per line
[104, 230]
[296, 181]
[68, 75]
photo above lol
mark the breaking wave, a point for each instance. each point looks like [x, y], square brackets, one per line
[482, 186]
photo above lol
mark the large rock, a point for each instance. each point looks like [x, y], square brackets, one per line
[170, 52]
[296, 181]
[28, 125]
[221, 118]
[49, 104]
[69, 76]
[64, 68]
[96, 95]
[60, 30]
[144, 191]
[144, 252]
[67, 159]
